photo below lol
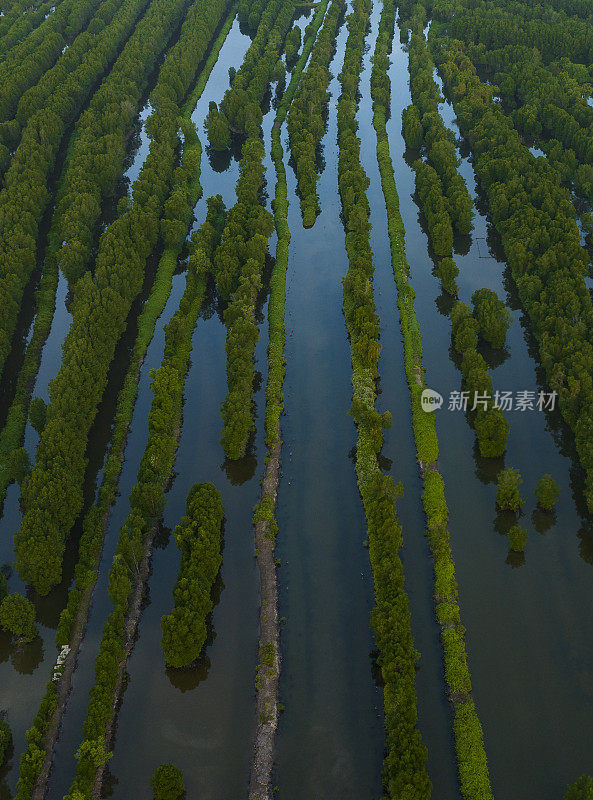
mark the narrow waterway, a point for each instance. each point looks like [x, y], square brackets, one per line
[528, 641]
[331, 739]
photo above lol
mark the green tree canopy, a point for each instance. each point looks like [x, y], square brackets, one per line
[167, 782]
[547, 492]
[17, 616]
[508, 497]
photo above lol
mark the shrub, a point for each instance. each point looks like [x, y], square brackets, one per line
[20, 466]
[517, 538]
[167, 783]
[17, 616]
[508, 497]
[581, 789]
[547, 492]
[492, 316]
[447, 271]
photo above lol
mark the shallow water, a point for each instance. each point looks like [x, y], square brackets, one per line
[330, 740]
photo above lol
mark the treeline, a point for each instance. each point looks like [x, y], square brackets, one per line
[26, 192]
[238, 266]
[292, 46]
[48, 82]
[25, 63]
[405, 761]
[20, 20]
[240, 259]
[547, 105]
[306, 125]
[535, 219]
[99, 146]
[199, 538]
[554, 33]
[95, 522]
[424, 127]
[469, 744]
[446, 203]
[241, 105]
[52, 494]
[129, 569]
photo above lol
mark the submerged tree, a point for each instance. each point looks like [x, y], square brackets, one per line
[217, 127]
[492, 316]
[517, 538]
[547, 492]
[492, 430]
[167, 782]
[581, 789]
[508, 497]
[17, 616]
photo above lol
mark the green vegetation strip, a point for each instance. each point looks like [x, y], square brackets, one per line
[471, 755]
[98, 149]
[33, 57]
[446, 203]
[266, 527]
[405, 762]
[240, 260]
[199, 538]
[36, 760]
[102, 302]
[131, 563]
[26, 192]
[305, 118]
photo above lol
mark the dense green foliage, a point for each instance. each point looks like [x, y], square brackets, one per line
[26, 191]
[34, 56]
[217, 128]
[292, 46]
[582, 789]
[536, 221]
[306, 114]
[508, 496]
[471, 756]
[99, 146]
[238, 266]
[492, 316]
[38, 414]
[53, 493]
[439, 145]
[147, 500]
[446, 203]
[517, 538]
[547, 492]
[405, 761]
[242, 101]
[17, 616]
[95, 521]
[167, 783]
[199, 538]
